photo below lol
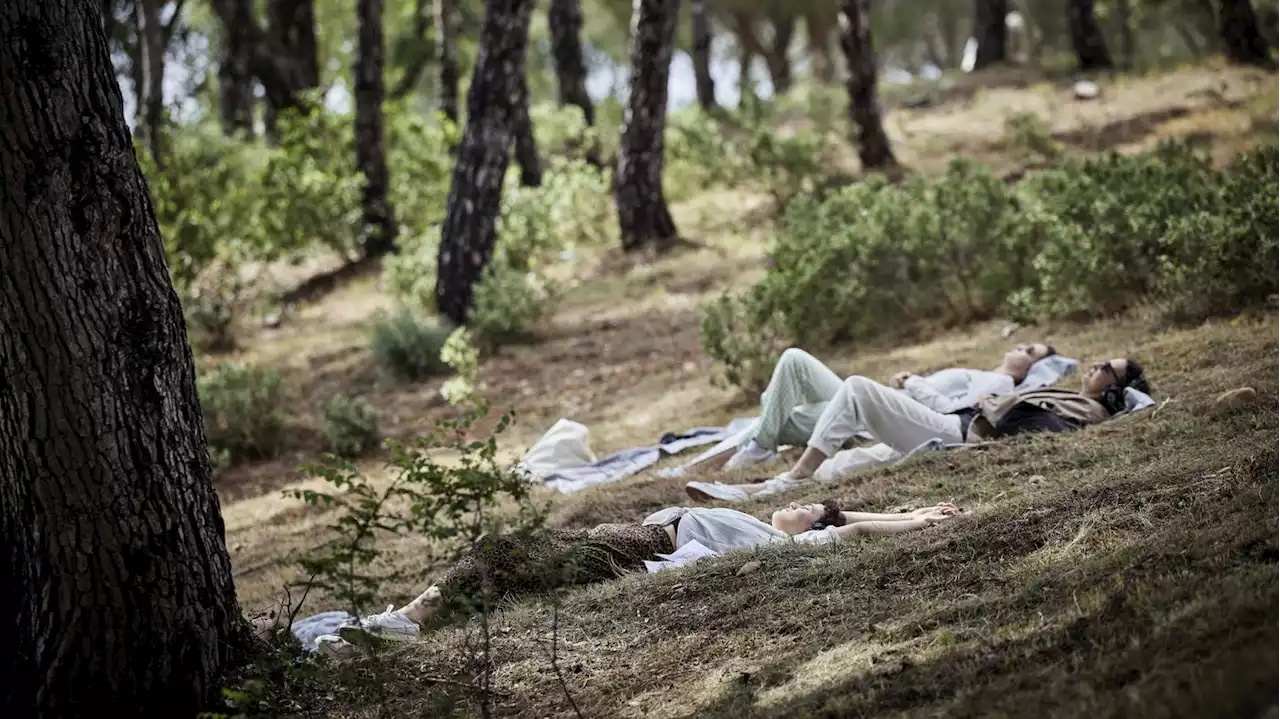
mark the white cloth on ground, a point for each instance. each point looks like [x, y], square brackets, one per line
[720, 529]
[308, 628]
[686, 554]
[564, 446]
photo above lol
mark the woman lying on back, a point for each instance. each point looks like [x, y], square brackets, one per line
[548, 558]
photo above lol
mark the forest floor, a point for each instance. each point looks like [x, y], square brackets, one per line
[1125, 570]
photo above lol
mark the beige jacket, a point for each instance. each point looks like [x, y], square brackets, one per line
[1065, 403]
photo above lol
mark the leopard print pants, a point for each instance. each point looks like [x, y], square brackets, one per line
[512, 564]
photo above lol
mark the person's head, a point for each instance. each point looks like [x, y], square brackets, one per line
[1019, 359]
[797, 518]
[1106, 382]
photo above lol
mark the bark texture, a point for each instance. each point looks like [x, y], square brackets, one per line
[378, 218]
[642, 208]
[235, 81]
[526, 145]
[990, 31]
[493, 109]
[703, 81]
[117, 595]
[1086, 36]
[447, 58]
[1241, 37]
[864, 103]
[150, 78]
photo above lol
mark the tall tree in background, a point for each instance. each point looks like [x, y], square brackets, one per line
[991, 32]
[467, 234]
[564, 21]
[705, 85]
[150, 76]
[1238, 27]
[378, 218]
[526, 146]
[1086, 36]
[642, 208]
[447, 58]
[235, 80]
[117, 593]
[422, 51]
[291, 25]
[864, 103]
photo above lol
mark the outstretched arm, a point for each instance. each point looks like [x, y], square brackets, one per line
[946, 508]
[881, 527]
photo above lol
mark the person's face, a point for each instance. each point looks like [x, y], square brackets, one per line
[1103, 375]
[797, 518]
[1022, 356]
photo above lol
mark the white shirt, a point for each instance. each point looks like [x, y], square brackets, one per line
[721, 529]
[956, 388]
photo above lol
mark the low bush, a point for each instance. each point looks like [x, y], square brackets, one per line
[242, 417]
[407, 348]
[351, 426]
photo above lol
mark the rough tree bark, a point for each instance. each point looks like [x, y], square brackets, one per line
[990, 31]
[467, 234]
[377, 215]
[643, 215]
[117, 595]
[291, 28]
[447, 58]
[150, 77]
[526, 145]
[1086, 36]
[1241, 37]
[235, 81]
[864, 105]
[706, 86]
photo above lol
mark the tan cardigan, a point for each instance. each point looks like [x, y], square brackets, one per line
[1068, 404]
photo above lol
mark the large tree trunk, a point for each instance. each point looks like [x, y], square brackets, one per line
[706, 86]
[235, 81]
[117, 592]
[642, 209]
[378, 218]
[447, 59]
[990, 30]
[291, 26]
[1086, 36]
[564, 20]
[1238, 26]
[493, 109]
[150, 79]
[526, 145]
[864, 105]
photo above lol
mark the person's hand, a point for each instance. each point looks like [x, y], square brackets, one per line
[899, 380]
[943, 508]
[938, 515]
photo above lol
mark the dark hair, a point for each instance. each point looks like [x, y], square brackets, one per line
[831, 516]
[1135, 377]
[1049, 351]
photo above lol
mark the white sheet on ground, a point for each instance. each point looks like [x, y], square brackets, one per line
[564, 446]
[308, 628]
[687, 553]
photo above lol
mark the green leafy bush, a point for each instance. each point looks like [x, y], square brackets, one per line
[508, 301]
[242, 417]
[407, 348]
[742, 334]
[351, 426]
[421, 167]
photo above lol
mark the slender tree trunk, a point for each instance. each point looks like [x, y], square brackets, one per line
[642, 209]
[493, 109]
[864, 104]
[117, 595]
[990, 31]
[564, 20]
[235, 82]
[1086, 36]
[776, 57]
[151, 46]
[447, 58]
[706, 86]
[291, 27]
[526, 146]
[378, 217]
[1238, 27]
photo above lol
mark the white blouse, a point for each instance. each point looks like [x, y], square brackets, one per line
[721, 529]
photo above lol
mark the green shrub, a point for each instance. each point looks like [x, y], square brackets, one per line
[242, 417]
[742, 334]
[1028, 135]
[351, 426]
[421, 167]
[508, 302]
[409, 349]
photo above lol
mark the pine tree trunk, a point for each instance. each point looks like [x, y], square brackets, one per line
[493, 109]
[526, 145]
[990, 31]
[447, 58]
[151, 46]
[235, 75]
[291, 25]
[777, 58]
[117, 593]
[706, 86]
[1244, 43]
[1086, 36]
[378, 218]
[642, 209]
[864, 104]
[564, 20]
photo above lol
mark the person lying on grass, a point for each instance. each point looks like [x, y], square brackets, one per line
[802, 386]
[544, 559]
[904, 424]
